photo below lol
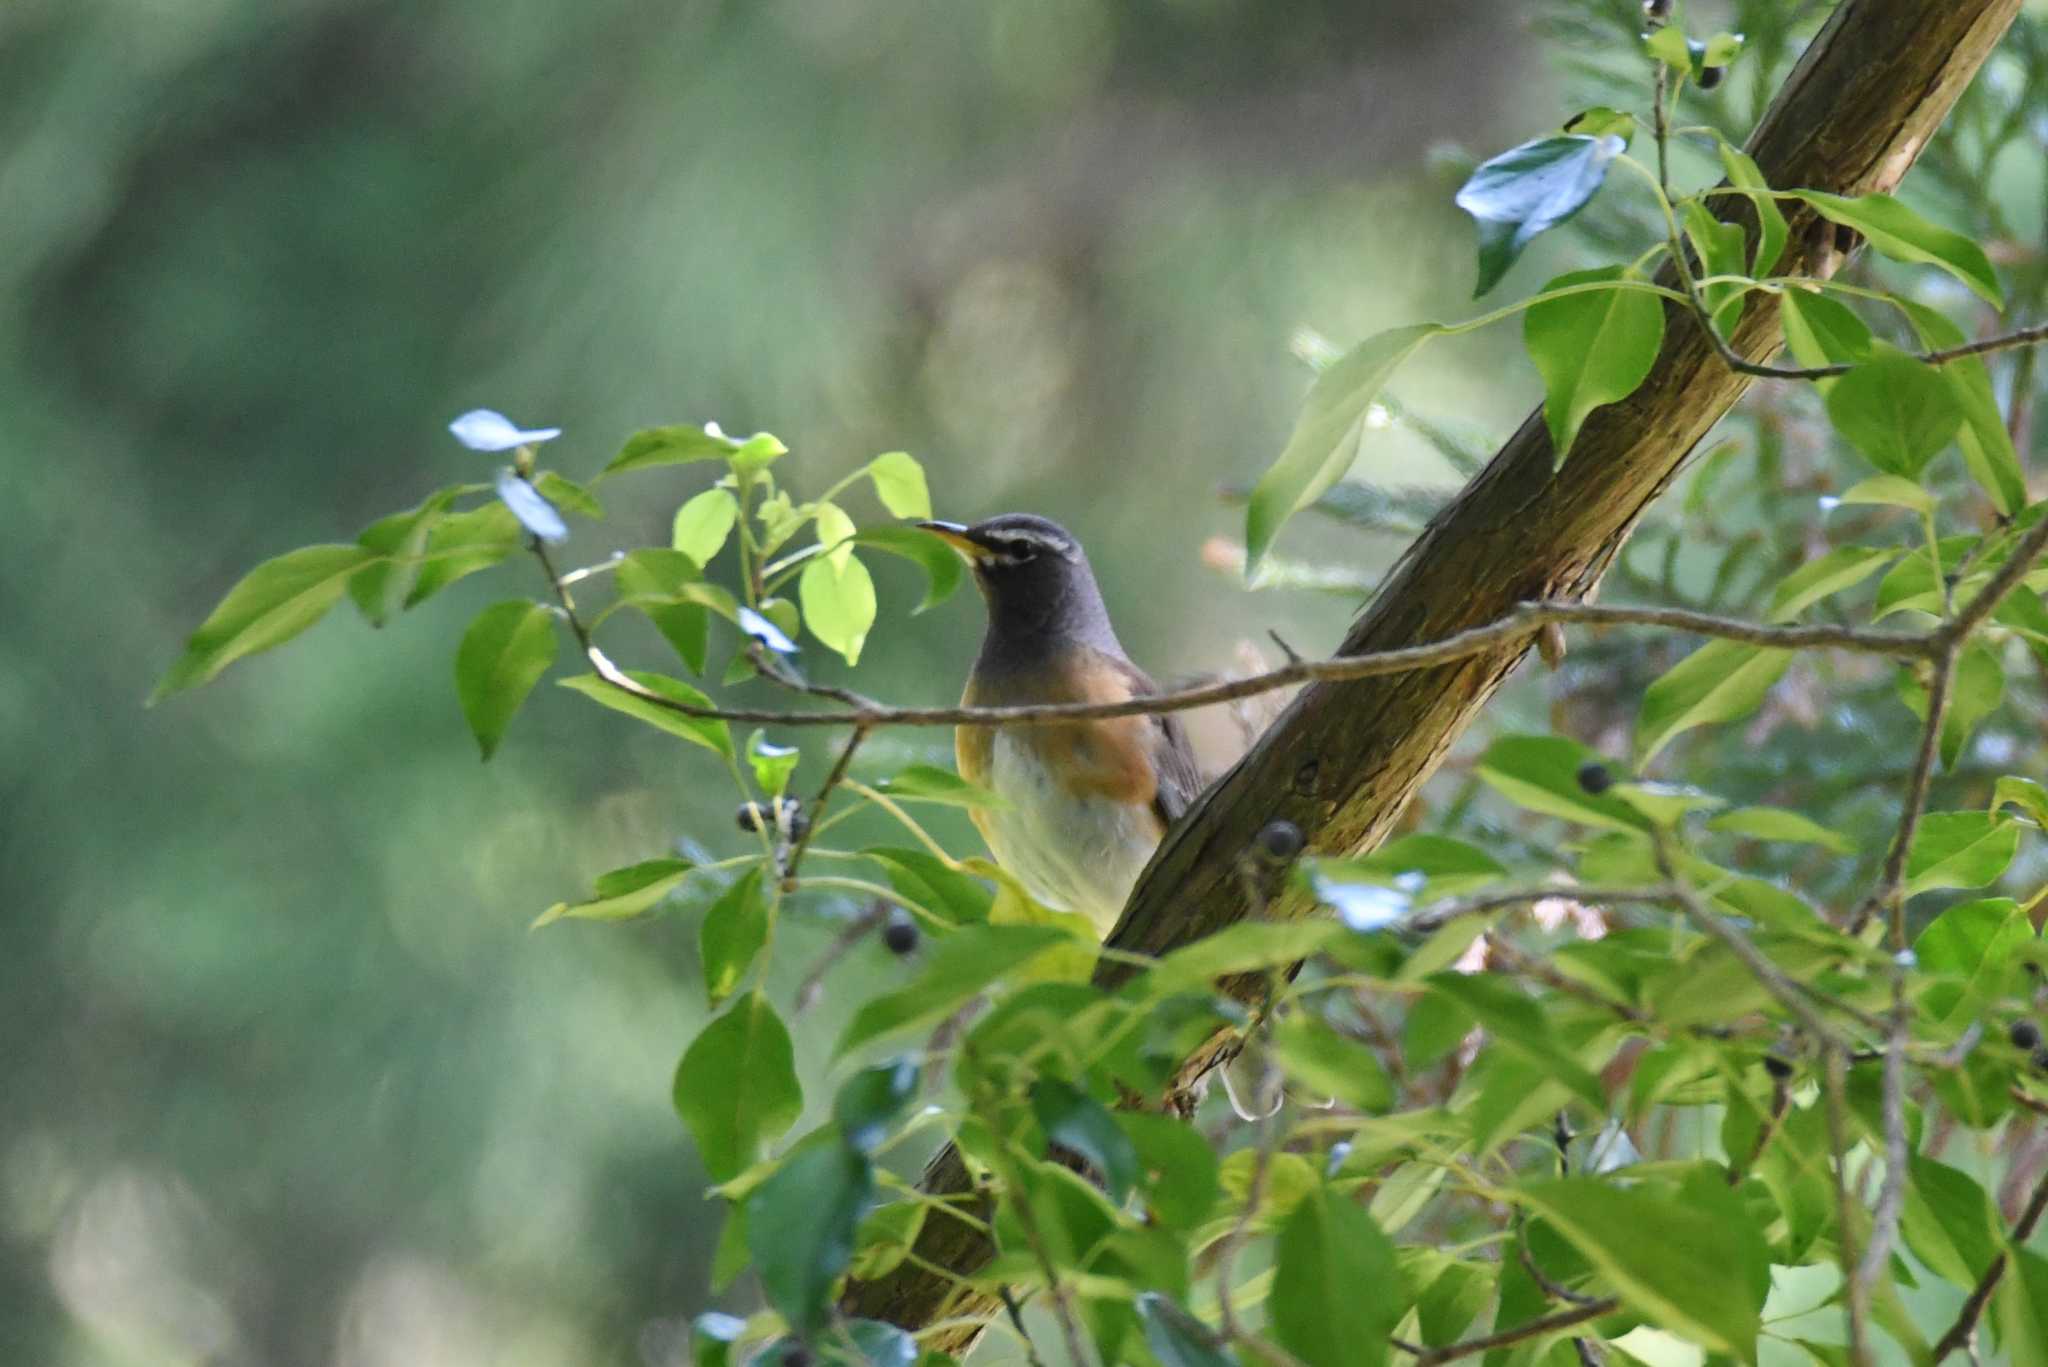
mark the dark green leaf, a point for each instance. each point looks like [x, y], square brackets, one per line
[1986, 444]
[667, 586]
[1515, 1021]
[1897, 411]
[1445, 866]
[1326, 437]
[1591, 348]
[1178, 1169]
[869, 1101]
[737, 1089]
[1337, 1293]
[675, 445]
[1842, 568]
[463, 543]
[1904, 235]
[502, 656]
[1329, 1064]
[1974, 694]
[932, 884]
[1721, 681]
[929, 783]
[1245, 947]
[703, 731]
[623, 893]
[397, 542]
[943, 568]
[567, 493]
[800, 1227]
[732, 934]
[1777, 823]
[1960, 850]
[1823, 331]
[958, 967]
[1528, 189]
[1541, 773]
[1176, 1337]
[1948, 1222]
[1074, 1120]
[1686, 1267]
[273, 603]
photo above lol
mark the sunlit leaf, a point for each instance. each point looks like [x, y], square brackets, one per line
[1889, 491]
[757, 452]
[1960, 850]
[502, 656]
[1326, 437]
[1744, 174]
[737, 1089]
[838, 604]
[1841, 568]
[1820, 330]
[397, 542]
[703, 523]
[567, 493]
[273, 603]
[2024, 793]
[931, 883]
[463, 543]
[1975, 691]
[623, 893]
[703, 731]
[899, 483]
[1528, 189]
[673, 445]
[772, 764]
[1721, 681]
[1591, 348]
[1902, 234]
[1721, 249]
[1970, 945]
[943, 568]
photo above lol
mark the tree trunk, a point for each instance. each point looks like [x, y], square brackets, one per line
[1344, 759]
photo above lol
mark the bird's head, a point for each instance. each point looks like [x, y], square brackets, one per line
[1031, 571]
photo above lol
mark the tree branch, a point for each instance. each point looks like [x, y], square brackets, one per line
[1959, 1333]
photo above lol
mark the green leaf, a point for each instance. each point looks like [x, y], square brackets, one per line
[502, 656]
[737, 1090]
[899, 483]
[1246, 947]
[703, 523]
[1528, 189]
[1974, 694]
[1677, 1259]
[273, 603]
[1904, 235]
[1327, 435]
[1446, 866]
[801, 1224]
[1337, 1292]
[1895, 410]
[885, 1238]
[1515, 1021]
[1669, 46]
[1721, 248]
[1178, 1169]
[835, 533]
[1986, 444]
[1176, 1337]
[1744, 174]
[931, 883]
[1841, 568]
[1948, 1222]
[869, 1101]
[1889, 491]
[1721, 681]
[1600, 121]
[1591, 349]
[1971, 946]
[929, 783]
[623, 893]
[567, 493]
[958, 967]
[1960, 850]
[756, 453]
[667, 586]
[2022, 1302]
[732, 934]
[463, 543]
[675, 445]
[772, 764]
[1820, 330]
[1074, 1120]
[1327, 1063]
[943, 568]
[397, 542]
[838, 604]
[1541, 773]
[703, 731]
[2024, 793]
[1776, 823]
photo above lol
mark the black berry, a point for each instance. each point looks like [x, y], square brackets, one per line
[2025, 1035]
[1595, 778]
[1778, 1067]
[1710, 76]
[1656, 11]
[797, 1356]
[749, 816]
[899, 933]
[1280, 840]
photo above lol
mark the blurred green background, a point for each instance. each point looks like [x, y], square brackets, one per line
[286, 1077]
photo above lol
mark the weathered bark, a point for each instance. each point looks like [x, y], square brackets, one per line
[1344, 759]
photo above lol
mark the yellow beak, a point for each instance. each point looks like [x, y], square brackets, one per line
[955, 535]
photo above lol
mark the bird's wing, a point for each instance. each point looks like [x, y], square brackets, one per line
[1178, 775]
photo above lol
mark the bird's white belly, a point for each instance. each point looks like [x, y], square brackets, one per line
[1073, 853]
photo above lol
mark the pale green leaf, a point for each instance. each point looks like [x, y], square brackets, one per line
[1719, 682]
[1902, 234]
[703, 523]
[1960, 850]
[273, 603]
[1841, 568]
[899, 483]
[623, 893]
[703, 731]
[838, 604]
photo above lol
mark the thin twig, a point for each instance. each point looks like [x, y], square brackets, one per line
[1548, 1324]
[1833, 1070]
[1017, 1322]
[1889, 895]
[1891, 1196]
[1517, 960]
[1959, 1333]
[1440, 914]
[857, 709]
[817, 811]
[858, 929]
[1781, 1102]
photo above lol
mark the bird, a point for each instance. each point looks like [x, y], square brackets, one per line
[1083, 803]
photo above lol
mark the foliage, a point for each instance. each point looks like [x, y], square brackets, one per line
[1618, 1057]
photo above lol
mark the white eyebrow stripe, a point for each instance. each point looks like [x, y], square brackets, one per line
[1033, 538]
